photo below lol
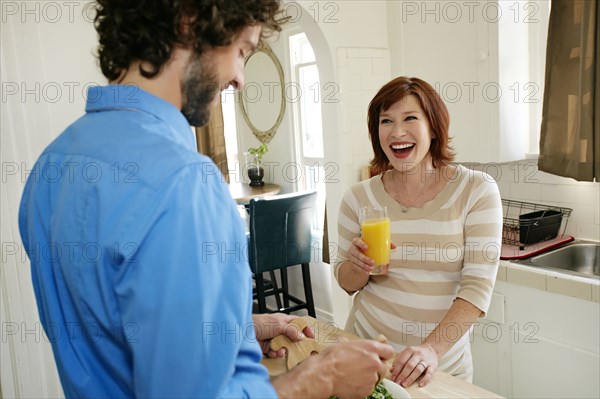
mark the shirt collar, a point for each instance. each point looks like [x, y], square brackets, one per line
[111, 97]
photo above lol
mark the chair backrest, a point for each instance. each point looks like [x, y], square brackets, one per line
[280, 231]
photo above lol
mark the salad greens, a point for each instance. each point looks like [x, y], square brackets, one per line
[378, 393]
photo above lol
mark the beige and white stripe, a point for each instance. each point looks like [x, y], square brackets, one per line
[448, 248]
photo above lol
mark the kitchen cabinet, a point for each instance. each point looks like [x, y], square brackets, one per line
[477, 57]
[538, 344]
[491, 349]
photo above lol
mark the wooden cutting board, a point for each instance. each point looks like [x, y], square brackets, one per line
[296, 351]
[443, 385]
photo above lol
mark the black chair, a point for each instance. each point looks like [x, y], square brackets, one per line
[280, 237]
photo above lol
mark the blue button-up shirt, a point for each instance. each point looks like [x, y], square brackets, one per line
[138, 258]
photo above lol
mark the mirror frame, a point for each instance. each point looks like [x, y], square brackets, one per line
[264, 136]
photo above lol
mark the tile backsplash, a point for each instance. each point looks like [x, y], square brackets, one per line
[523, 181]
[361, 72]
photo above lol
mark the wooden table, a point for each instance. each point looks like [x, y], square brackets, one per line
[443, 385]
[242, 193]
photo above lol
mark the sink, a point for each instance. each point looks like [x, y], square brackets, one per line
[578, 257]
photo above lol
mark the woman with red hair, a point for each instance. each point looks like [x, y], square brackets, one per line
[446, 226]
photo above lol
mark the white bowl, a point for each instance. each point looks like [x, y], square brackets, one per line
[395, 390]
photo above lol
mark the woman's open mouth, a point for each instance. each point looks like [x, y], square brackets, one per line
[402, 150]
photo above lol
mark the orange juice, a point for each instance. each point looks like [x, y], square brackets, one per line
[376, 233]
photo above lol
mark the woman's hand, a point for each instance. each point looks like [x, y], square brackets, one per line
[354, 273]
[414, 362]
[268, 326]
[356, 255]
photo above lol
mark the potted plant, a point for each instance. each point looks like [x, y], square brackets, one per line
[254, 162]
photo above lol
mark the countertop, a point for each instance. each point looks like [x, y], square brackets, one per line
[443, 385]
[550, 280]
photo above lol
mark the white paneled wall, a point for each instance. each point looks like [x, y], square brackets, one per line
[46, 63]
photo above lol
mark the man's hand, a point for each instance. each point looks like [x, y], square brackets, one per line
[268, 326]
[349, 369]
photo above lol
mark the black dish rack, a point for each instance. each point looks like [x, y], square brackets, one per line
[526, 223]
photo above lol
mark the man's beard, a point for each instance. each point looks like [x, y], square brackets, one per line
[199, 88]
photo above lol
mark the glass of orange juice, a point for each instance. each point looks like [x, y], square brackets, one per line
[375, 231]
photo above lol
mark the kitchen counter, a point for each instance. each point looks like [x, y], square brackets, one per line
[554, 281]
[443, 385]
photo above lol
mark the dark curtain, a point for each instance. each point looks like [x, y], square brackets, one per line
[210, 140]
[570, 137]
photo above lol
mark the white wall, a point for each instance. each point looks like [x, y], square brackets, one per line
[46, 56]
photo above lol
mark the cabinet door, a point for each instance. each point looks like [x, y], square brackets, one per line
[449, 49]
[476, 56]
[536, 344]
[490, 346]
[545, 368]
[555, 343]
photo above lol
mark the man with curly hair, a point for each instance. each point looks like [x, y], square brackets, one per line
[145, 290]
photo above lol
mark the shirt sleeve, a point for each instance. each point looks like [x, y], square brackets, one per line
[186, 293]
[483, 235]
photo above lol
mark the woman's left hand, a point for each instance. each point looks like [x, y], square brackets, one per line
[414, 362]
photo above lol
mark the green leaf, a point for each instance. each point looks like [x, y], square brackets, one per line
[259, 151]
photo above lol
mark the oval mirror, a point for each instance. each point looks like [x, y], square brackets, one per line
[262, 100]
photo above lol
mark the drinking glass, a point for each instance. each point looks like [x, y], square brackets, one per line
[375, 231]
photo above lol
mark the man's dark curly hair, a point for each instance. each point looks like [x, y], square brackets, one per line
[147, 30]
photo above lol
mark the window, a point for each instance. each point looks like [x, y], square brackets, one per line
[308, 127]
[230, 132]
[538, 37]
